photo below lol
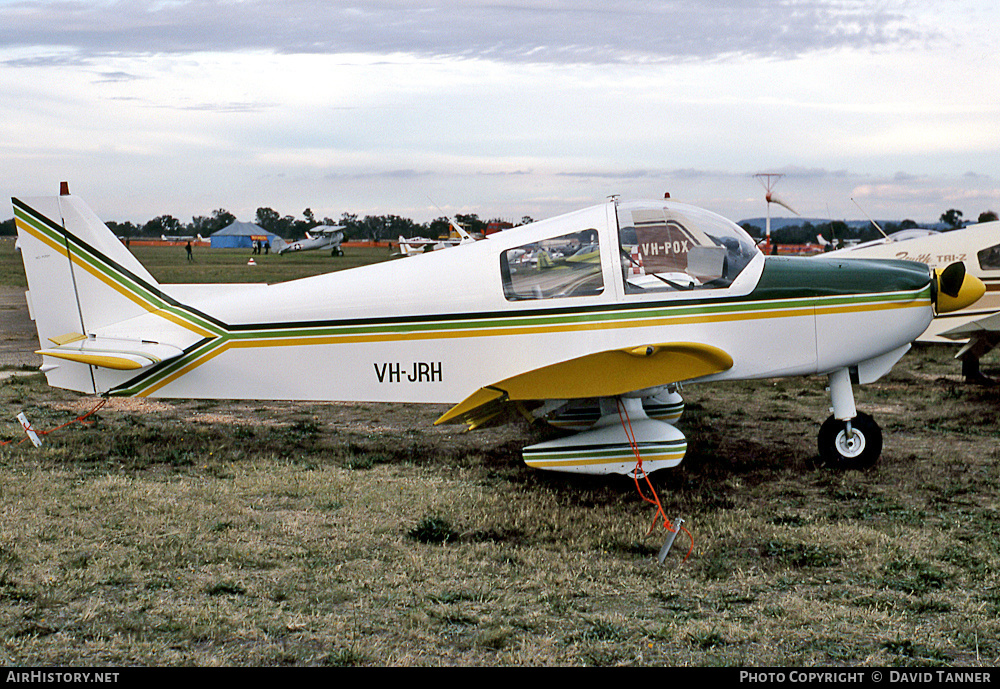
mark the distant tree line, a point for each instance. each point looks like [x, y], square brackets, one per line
[833, 231]
[383, 227]
[953, 218]
[836, 231]
[373, 227]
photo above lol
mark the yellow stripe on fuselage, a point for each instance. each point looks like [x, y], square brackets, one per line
[304, 341]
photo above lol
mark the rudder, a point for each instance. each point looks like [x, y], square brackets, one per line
[80, 278]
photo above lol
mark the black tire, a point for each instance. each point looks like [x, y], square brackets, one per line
[861, 452]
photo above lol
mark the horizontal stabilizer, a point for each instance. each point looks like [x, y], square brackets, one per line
[105, 352]
[602, 374]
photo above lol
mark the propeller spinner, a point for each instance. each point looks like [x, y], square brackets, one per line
[956, 288]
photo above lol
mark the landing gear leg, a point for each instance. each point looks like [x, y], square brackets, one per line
[971, 372]
[848, 439]
[977, 347]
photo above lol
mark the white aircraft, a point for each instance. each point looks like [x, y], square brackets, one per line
[321, 237]
[467, 328]
[417, 245]
[977, 247]
[181, 238]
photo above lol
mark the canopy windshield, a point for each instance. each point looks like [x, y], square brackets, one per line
[668, 246]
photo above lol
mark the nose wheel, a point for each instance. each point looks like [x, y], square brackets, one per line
[857, 446]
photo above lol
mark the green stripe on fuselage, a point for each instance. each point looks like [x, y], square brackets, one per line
[785, 284]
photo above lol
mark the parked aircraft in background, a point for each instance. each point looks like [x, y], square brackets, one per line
[321, 237]
[665, 293]
[417, 245]
[181, 238]
[977, 247]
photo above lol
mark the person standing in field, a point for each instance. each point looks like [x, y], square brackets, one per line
[187, 247]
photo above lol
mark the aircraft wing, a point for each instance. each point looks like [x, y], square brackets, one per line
[986, 324]
[982, 334]
[602, 374]
[325, 230]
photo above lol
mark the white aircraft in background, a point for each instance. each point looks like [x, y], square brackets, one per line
[670, 294]
[321, 237]
[417, 245]
[181, 238]
[977, 247]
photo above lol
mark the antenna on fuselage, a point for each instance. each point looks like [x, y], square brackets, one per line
[869, 218]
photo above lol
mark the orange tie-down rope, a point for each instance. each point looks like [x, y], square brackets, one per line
[80, 419]
[655, 500]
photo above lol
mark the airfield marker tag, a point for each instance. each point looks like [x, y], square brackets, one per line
[29, 430]
[670, 540]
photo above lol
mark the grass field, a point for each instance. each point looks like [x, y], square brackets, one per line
[169, 265]
[232, 533]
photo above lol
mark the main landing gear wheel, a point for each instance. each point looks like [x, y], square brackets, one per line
[860, 451]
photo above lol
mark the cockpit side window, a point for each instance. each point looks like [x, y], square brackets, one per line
[565, 266]
[671, 248]
[989, 258]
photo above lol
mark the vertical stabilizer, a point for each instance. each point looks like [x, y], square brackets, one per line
[80, 278]
[407, 249]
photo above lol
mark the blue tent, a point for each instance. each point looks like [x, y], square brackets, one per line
[240, 235]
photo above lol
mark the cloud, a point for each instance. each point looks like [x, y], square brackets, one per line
[539, 31]
[115, 77]
[508, 106]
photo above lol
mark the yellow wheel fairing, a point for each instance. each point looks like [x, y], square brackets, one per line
[611, 446]
[608, 459]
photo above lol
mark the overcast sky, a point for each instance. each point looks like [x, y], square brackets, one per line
[504, 108]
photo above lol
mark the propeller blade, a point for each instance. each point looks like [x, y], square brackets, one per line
[952, 278]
